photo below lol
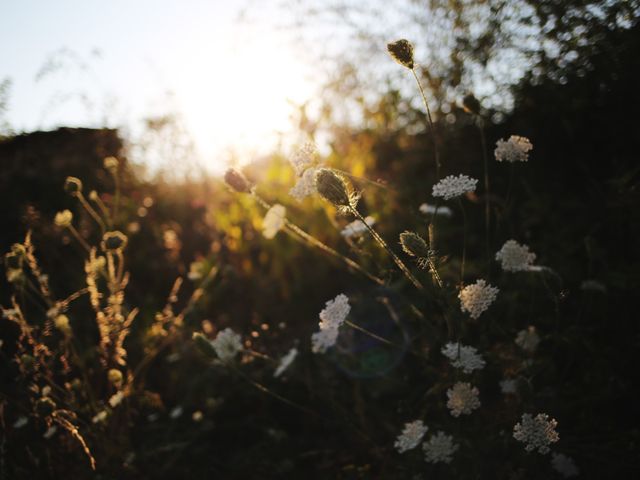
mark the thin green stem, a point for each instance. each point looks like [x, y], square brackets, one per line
[431, 125]
[80, 240]
[366, 180]
[105, 211]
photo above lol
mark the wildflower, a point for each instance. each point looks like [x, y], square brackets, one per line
[528, 339]
[111, 164]
[536, 432]
[73, 186]
[357, 227]
[335, 189]
[477, 297]
[116, 399]
[176, 412]
[410, 436]
[303, 158]
[331, 318]
[452, 187]
[20, 422]
[464, 357]
[62, 323]
[463, 399]
[509, 386]
[515, 257]
[114, 241]
[227, 344]
[115, 377]
[402, 52]
[439, 448]
[236, 180]
[593, 286]
[286, 361]
[305, 186]
[63, 219]
[432, 210]
[564, 465]
[273, 221]
[516, 149]
[414, 245]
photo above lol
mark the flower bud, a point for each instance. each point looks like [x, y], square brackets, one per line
[114, 241]
[332, 187]
[115, 377]
[63, 219]
[414, 245]
[236, 180]
[471, 104]
[73, 186]
[62, 323]
[402, 52]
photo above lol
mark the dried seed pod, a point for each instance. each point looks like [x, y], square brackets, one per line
[333, 187]
[402, 52]
[73, 186]
[414, 245]
[236, 180]
[114, 241]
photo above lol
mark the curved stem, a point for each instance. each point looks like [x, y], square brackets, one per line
[81, 240]
[431, 126]
[91, 211]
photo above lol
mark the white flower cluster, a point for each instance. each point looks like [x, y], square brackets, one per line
[464, 357]
[439, 448]
[305, 165]
[273, 221]
[564, 465]
[537, 433]
[331, 318]
[477, 297]
[528, 339]
[516, 149]
[452, 186]
[463, 399]
[357, 227]
[410, 436]
[515, 257]
[227, 344]
[431, 210]
[286, 361]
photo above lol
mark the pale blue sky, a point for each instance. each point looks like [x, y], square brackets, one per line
[232, 81]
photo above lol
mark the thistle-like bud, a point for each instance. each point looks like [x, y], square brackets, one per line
[114, 241]
[402, 52]
[62, 323]
[63, 219]
[236, 180]
[204, 345]
[115, 377]
[111, 164]
[73, 186]
[471, 104]
[333, 187]
[414, 245]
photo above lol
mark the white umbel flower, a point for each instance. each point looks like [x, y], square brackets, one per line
[357, 227]
[306, 185]
[515, 257]
[564, 465]
[452, 186]
[477, 297]
[464, 357]
[536, 432]
[528, 339]
[410, 436]
[303, 158]
[428, 209]
[20, 422]
[516, 149]
[286, 361]
[439, 448]
[463, 399]
[227, 344]
[331, 318]
[273, 221]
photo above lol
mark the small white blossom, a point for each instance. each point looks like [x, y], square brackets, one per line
[593, 286]
[20, 422]
[357, 227]
[303, 158]
[410, 436]
[100, 417]
[509, 386]
[515, 257]
[439, 448]
[305, 186]
[477, 297]
[331, 318]
[463, 399]
[537, 433]
[528, 339]
[176, 412]
[273, 221]
[428, 209]
[564, 465]
[452, 187]
[516, 149]
[116, 399]
[286, 361]
[464, 357]
[227, 344]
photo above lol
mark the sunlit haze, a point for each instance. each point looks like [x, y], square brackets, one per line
[223, 68]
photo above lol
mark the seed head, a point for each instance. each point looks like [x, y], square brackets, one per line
[73, 186]
[236, 180]
[334, 188]
[63, 219]
[402, 52]
[114, 241]
[414, 245]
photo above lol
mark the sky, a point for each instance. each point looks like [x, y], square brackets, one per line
[224, 67]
